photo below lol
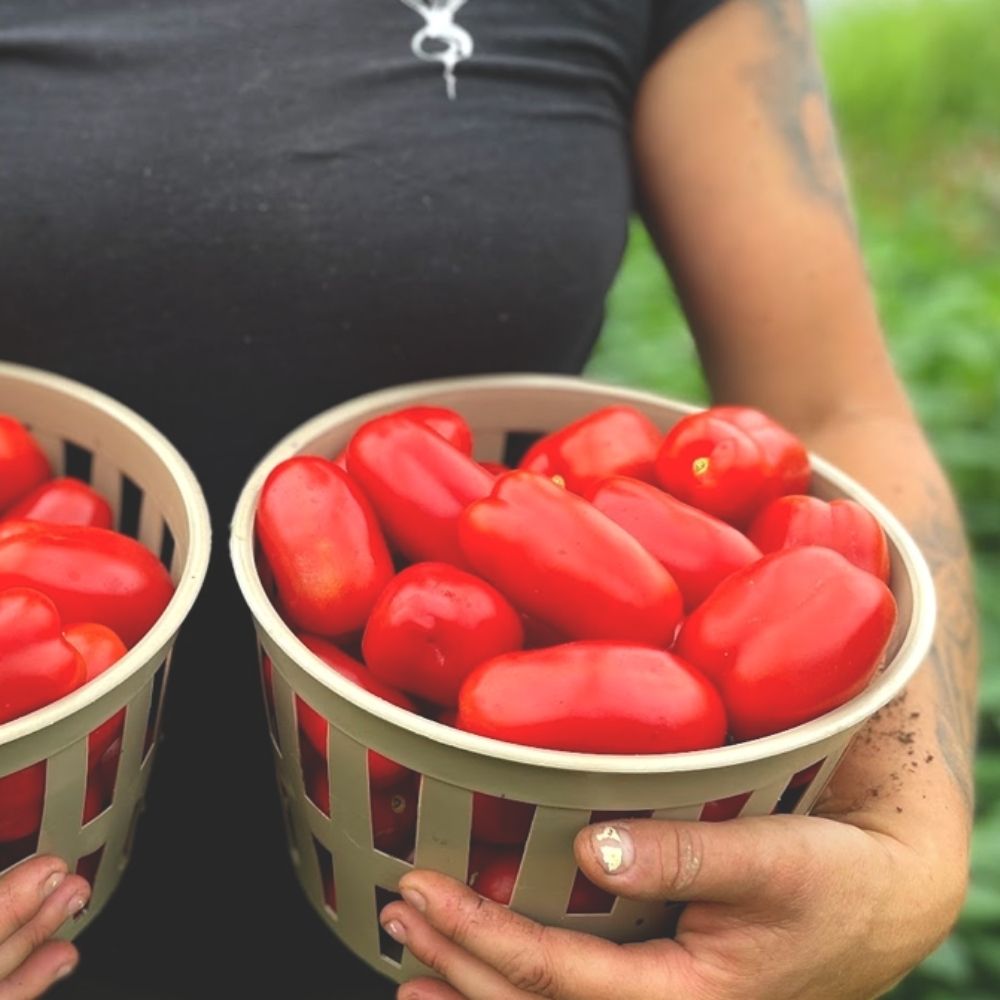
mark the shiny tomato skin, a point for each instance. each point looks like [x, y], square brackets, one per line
[91, 574]
[37, 665]
[842, 525]
[21, 798]
[432, 625]
[23, 464]
[789, 638]
[698, 550]
[593, 697]
[561, 561]
[730, 461]
[612, 441]
[99, 648]
[63, 501]
[323, 545]
[418, 484]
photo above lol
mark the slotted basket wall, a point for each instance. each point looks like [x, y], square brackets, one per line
[565, 788]
[155, 498]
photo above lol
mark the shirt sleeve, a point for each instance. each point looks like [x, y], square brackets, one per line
[671, 18]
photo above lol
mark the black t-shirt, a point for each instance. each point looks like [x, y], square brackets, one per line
[232, 214]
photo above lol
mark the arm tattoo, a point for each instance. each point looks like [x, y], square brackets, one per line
[789, 86]
[954, 655]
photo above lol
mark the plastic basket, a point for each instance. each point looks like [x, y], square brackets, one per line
[566, 788]
[155, 498]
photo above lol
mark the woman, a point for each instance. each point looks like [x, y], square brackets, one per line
[234, 214]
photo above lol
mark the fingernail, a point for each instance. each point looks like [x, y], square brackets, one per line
[65, 970]
[614, 849]
[76, 904]
[414, 898]
[396, 931]
[51, 883]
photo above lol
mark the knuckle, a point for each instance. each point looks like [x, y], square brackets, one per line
[533, 970]
[682, 852]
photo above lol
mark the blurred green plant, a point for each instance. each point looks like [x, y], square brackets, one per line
[914, 86]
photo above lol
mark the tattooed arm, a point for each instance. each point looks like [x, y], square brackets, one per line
[744, 189]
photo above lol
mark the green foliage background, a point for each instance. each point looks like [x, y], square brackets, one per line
[915, 86]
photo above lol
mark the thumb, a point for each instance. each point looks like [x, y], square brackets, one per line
[733, 862]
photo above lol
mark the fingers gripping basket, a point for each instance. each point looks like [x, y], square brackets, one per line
[155, 498]
[565, 788]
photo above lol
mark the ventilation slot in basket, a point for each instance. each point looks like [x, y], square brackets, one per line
[88, 865]
[797, 787]
[154, 710]
[77, 461]
[387, 947]
[131, 507]
[493, 871]
[394, 818]
[325, 861]
[167, 548]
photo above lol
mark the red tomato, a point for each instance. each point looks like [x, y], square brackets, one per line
[593, 697]
[91, 574]
[496, 876]
[418, 483]
[613, 441]
[447, 423]
[588, 898]
[730, 461]
[698, 550]
[23, 465]
[64, 501]
[790, 637]
[432, 625]
[99, 648]
[561, 561]
[37, 665]
[841, 525]
[323, 545]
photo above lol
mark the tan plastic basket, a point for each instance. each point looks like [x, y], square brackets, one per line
[565, 787]
[156, 499]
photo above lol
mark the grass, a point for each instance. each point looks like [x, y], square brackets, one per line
[914, 88]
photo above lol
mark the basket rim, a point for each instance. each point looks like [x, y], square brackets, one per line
[913, 647]
[191, 576]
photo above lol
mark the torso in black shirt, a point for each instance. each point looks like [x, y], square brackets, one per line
[232, 214]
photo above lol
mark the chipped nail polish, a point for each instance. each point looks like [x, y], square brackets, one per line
[396, 931]
[51, 883]
[614, 849]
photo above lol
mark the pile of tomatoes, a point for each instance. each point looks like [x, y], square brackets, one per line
[74, 597]
[622, 591]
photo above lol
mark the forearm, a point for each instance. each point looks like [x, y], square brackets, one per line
[917, 755]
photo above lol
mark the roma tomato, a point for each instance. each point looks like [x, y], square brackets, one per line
[432, 625]
[698, 550]
[418, 483]
[557, 558]
[841, 525]
[730, 461]
[323, 546]
[449, 424]
[23, 465]
[593, 697]
[382, 772]
[91, 574]
[64, 501]
[613, 441]
[790, 637]
[37, 665]
[99, 648]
